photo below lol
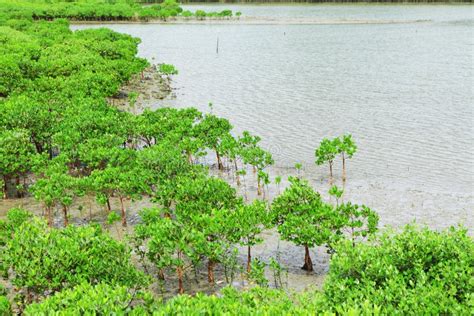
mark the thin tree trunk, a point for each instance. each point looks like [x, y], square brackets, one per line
[259, 187]
[161, 274]
[124, 214]
[330, 172]
[249, 259]
[352, 236]
[49, 216]
[109, 209]
[220, 166]
[18, 192]
[179, 271]
[210, 271]
[237, 172]
[308, 264]
[5, 188]
[190, 157]
[66, 220]
[343, 168]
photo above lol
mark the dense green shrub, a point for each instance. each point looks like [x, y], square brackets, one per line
[95, 10]
[43, 259]
[107, 300]
[4, 306]
[416, 272]
[85, 299]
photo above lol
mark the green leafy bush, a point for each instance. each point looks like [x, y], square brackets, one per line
[85, 299]
[5, 309]
[43, 259]
[168, 69]
[416, 272]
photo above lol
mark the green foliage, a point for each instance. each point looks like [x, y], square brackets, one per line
[347, 146]
[5, 308]
[112, 218]
[168, 243]
[56, 186]
[278, 271]
[15, 154]
[98, 10]
[257, 273]
[326, 152]
[100, 299]
[415, 272]
[246, 222]
[329, 149]
[15, 218]
[257, 301]
[168, 69]
[356, 220]
[200, 14]
[301, 216]
[54, 259]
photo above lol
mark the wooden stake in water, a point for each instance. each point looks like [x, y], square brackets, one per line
[217, 46]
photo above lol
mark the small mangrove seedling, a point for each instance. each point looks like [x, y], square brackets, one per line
[347, 148]
[112, 219]
[336, 192]
[257, 273]
[298, 167]
[278, 270]
[167, 70]
[278, 182]
[325, 153]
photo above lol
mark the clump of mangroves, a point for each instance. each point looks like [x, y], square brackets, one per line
[60, 140]
[96, 10]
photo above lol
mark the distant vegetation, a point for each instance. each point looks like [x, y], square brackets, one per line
[323, 1]
[97, 10]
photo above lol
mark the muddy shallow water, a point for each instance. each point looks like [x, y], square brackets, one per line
[404, 90]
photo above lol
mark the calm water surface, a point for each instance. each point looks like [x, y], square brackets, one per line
[404, 90]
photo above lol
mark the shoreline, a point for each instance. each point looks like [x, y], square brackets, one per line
[252, 21]
[149, 84]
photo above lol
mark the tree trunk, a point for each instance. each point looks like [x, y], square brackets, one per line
[161, 274]
[109, 209]
[237, 172]
[18, 191]
[49, 216]
[5, 188]
[124, 214]
[249, 259]
[220, 166]
[259, 187]
[330, 172]
[66, 220]
[190, 157]
[343, 168]
[352, 237]
[179, 271]
[308, 264]
[210, 271]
